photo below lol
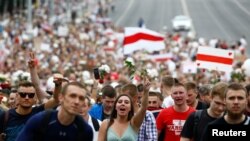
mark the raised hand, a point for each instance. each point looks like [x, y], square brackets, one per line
[33, 62]
[146, 85]
[59, 79]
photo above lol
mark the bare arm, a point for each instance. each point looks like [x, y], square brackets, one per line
[94, 90]
[137, 120]
[54, 101]
[102, 131]
[41, 94]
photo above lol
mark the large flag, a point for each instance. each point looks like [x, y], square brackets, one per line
[142, 39]
[215, 59]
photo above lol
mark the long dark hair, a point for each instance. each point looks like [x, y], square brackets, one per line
[114, 112]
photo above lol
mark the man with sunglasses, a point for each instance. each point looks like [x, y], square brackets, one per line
[63, 124]
[26, 99]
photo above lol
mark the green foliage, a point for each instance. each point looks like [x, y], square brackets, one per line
[2, 79]
[132, 70]
[238, 76]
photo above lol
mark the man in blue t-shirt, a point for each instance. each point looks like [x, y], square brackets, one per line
[103, 110]
[16, 118]
[64, 124]
[28, 95]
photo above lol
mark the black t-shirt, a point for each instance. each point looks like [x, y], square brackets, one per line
[104, 116]
[188, 128]
[220, 129]
[16, 121]
[201, 106]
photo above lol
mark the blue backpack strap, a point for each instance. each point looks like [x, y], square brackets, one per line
[39, 135]
[4, 120]
[80, 127]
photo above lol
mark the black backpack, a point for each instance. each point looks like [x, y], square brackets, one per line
[197, 117]
[96, 124]
[39, 134]
[4, 119]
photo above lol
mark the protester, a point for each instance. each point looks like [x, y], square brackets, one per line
[192, 99]
[12, 99]
[64, 124]
[153, 103]
[17, 117]
[166, 84]
[248, 100]
[234, 119]
[172, 119]
[94, 123]
[148, 129]
[204, 94]
[124, 123]
[195, 123]
[103, 110]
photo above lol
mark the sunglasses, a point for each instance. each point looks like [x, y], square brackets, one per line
[24, 95]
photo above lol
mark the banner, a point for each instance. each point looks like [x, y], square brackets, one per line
[142, 39]
[215, 59]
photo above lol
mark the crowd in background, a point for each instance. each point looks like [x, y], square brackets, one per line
[73, 45]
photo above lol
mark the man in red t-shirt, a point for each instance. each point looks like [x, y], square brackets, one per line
[172, 119]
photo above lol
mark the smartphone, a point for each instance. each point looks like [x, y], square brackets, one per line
[96, 73]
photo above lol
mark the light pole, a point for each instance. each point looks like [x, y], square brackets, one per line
[29, 18]
[51, 11]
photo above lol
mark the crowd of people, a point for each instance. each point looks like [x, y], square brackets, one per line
[48, 90]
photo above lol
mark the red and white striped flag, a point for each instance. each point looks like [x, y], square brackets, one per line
[215, 59]
[160, 57]
[142, 39]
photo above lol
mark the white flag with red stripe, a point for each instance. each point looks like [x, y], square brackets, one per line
[142, 39]
[160, 57]
[215, 59]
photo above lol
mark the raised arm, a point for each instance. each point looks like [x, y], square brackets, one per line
[137, 120]
[103, 131]
[54, 100]
[41, 94]
[94, 90]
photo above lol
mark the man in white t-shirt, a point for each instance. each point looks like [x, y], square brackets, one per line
[166, 84]
[93, 122]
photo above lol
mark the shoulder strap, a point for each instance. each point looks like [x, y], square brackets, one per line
[79, 127]
[96, 124]
[4, 120]
[197, 116]
[247, 122]
[39, 136]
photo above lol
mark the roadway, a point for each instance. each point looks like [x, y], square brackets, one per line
[224, 19]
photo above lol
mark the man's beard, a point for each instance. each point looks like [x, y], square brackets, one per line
[235, 115]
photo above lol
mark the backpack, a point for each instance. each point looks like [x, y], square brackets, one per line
[197, 117]
[4, 120]
[39, 134]
[96, 124]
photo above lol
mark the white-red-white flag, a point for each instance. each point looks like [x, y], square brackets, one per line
[160, 57]
[215, 59]
[142, 39]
